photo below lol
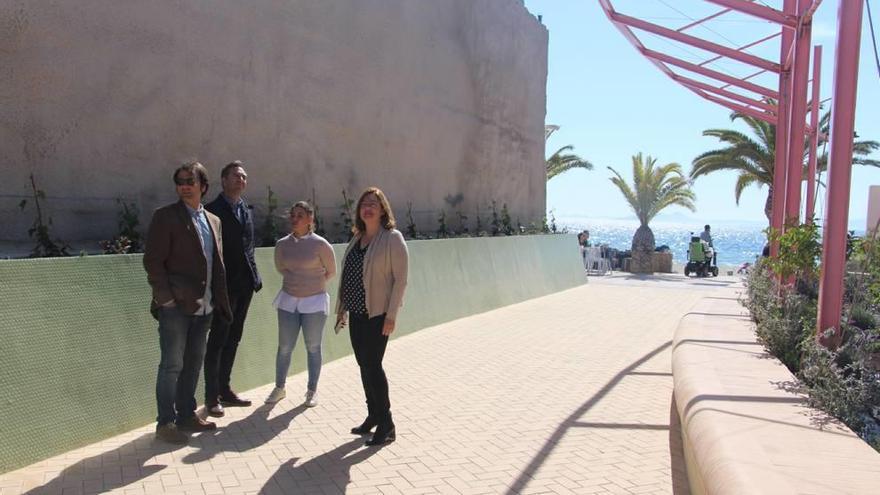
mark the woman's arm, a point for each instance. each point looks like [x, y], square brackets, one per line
[399, 272]
[328, 259]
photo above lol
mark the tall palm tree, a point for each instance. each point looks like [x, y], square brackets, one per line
[755, 157]
[653, 189]
[561, 162]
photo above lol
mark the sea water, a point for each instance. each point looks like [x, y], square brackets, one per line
[735, 242]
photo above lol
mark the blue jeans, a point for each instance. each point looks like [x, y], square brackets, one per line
[182, 340]
[312, 325]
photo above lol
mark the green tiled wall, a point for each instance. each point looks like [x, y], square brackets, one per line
[79, 349]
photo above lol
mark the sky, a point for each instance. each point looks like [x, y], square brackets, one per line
[610, 102]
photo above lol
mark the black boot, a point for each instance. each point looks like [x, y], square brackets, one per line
[364, 427]
[385, 433]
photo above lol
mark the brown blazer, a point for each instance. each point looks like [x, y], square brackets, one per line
[171, 257]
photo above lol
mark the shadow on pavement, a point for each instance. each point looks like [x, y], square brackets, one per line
[110, 470]
[572, 422]
[243, 435]
[328, 473]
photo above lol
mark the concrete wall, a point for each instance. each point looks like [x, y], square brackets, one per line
[80, 350]
[427, 99]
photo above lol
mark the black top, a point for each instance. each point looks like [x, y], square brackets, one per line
[354, 298]
[238, 245]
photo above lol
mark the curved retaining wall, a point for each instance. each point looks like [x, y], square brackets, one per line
[744, 431]
[80, 350]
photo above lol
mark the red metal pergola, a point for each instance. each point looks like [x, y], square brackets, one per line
[785, 104]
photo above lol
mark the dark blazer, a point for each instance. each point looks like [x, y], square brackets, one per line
[238, 246]
[171, 256]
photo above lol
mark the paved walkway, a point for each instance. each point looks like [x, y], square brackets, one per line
[568, 393]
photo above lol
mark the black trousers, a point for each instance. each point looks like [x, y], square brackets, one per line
[222, 346]
[369, 346]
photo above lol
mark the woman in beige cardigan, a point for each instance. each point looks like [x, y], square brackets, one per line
[371, 290]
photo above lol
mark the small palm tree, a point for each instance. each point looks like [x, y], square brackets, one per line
[755, 157]
[561, 162]
[653, 189]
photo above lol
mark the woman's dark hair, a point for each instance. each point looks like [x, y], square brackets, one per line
[388, 221]
[305, 205]
[198, 171]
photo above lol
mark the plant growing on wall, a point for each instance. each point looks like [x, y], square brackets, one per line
[127, 239]
[495, 224]
[479, 230]
[506, 224]
[442, 228]
[39, 231]
[454, 202]
[319, 224]
[411, 230]
[346, 217]
[270, 232]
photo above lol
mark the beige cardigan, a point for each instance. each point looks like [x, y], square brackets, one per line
[385, 270]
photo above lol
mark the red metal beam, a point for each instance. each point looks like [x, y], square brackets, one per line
[777, 199]
[799, 75]
[749, 45]
[814, 136]
[696, 42]
[846, 67]
[769, 93]
[727, 94]
[760, 11]
[769, 118]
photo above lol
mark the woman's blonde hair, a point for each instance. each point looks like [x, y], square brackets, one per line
[388, 221]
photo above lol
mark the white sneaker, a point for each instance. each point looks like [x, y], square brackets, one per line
[276, 395]
[310, 398]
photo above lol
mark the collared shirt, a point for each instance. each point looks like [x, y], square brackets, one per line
[206, 237]
[237, 207]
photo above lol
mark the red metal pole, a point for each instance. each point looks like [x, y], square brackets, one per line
[778, 196]
[846, 69]
[814, 135]
[799, 75]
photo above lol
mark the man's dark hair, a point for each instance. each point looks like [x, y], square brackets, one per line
[230, 166]
[198, 171]
[707, 227]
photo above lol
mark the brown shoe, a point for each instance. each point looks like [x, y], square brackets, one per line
[169, 433]
[195, 424]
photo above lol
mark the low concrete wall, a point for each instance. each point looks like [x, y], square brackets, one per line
[80, 349]
[744, 431]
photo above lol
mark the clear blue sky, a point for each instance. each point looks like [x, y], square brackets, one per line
[610, 103]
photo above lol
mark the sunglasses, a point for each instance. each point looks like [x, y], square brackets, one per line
[189, 181]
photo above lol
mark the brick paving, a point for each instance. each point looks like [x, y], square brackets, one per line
[568, 393]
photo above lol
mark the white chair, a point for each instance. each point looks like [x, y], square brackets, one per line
[595, 263]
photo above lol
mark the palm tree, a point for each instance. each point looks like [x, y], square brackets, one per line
[754, 157]
[561, 162]
[653, 189]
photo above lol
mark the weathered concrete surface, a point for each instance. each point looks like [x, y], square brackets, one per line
[428, 99]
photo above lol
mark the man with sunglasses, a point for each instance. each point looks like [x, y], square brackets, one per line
[242, 280]
[183, 257]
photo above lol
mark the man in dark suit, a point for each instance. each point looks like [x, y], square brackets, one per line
[183, 257]
[242, 280]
